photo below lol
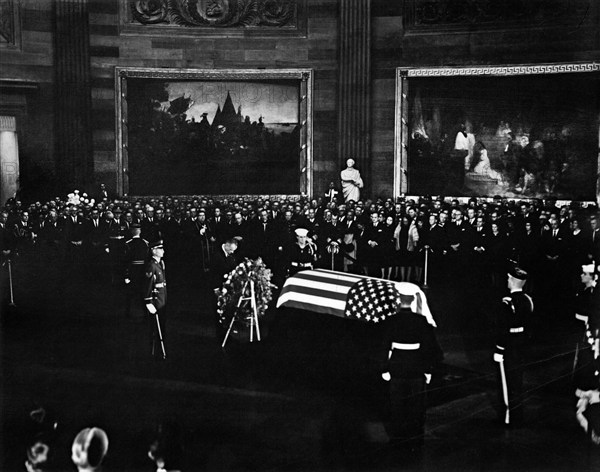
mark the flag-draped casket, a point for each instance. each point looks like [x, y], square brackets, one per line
[350, 296]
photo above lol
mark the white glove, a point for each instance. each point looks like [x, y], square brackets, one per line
[127, 281]
[427, 379]
[498, 357]
[151, 308]
[107, 250]
[386, 376]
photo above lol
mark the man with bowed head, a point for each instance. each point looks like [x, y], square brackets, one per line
[351, 182]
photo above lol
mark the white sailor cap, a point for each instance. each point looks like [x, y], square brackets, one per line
[301, 232]
[419, 303]
[89, 448]
[588, 268]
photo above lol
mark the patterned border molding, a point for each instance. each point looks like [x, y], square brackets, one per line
[501, 70]
[8, 123]
[212, 74]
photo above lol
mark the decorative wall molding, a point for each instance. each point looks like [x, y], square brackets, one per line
[216, 74]
[502, 70]
[10, 24]
[437, 16]
[213, 17]
[8, 123]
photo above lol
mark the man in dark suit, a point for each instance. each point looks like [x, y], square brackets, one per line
[594, 238]
[222, 263]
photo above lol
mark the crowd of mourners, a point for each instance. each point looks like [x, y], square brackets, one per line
[384, 238]
[379, 237]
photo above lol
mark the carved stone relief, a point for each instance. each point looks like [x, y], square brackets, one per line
[214, 14]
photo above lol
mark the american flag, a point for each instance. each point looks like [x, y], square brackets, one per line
[349, 296]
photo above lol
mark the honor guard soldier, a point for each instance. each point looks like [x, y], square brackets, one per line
[156, 298]
[583, 301]
[136, 256]
[411, 353]
[583, 307]
[303, 254]
[514, 316]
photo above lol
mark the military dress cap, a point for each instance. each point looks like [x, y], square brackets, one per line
[156, 244]
[301, 232]
[89, 448]
[517, 273]
[588, 268]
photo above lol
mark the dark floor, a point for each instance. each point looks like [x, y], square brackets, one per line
[306, 398]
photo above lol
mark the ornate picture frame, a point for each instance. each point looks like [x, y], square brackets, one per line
[278, 152]
[505, 105]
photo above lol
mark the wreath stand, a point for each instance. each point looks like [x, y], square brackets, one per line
[246, 298]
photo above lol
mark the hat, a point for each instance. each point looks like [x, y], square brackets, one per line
[588, 268]
[156, 244]
[301, 232]
[517, 273]
[419, 300]
[89, 448]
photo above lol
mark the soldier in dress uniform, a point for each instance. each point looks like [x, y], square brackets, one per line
[514, 316]
[136, 255]
[156, 298]
[303, 254]
[411, 353]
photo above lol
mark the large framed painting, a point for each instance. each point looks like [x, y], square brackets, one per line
[518, 131]
[214, 132]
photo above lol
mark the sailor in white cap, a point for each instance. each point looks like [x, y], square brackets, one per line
[88, 449]
[303, 254]
[514, 318]
[410, 353]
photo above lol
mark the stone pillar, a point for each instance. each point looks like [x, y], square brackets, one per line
[74, 154]
[9, 158]
[354, 88]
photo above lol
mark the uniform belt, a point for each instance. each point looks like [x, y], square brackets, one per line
[117, 237]
[160, 285]
[301, 264]
[406, 346]
[520, 329]
[137, 262]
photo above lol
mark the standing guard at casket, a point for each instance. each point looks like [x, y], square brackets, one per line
[156, 299]
[583, 307]
[303, 254]
[511, 346]
[137, 253]
[117, 236]
[411, 353]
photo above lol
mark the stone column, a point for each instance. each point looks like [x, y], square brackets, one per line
[74, 155]
[9, 158]
[354, 88]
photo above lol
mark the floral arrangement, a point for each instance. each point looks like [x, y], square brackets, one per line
[74, 198]
[236, 284]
